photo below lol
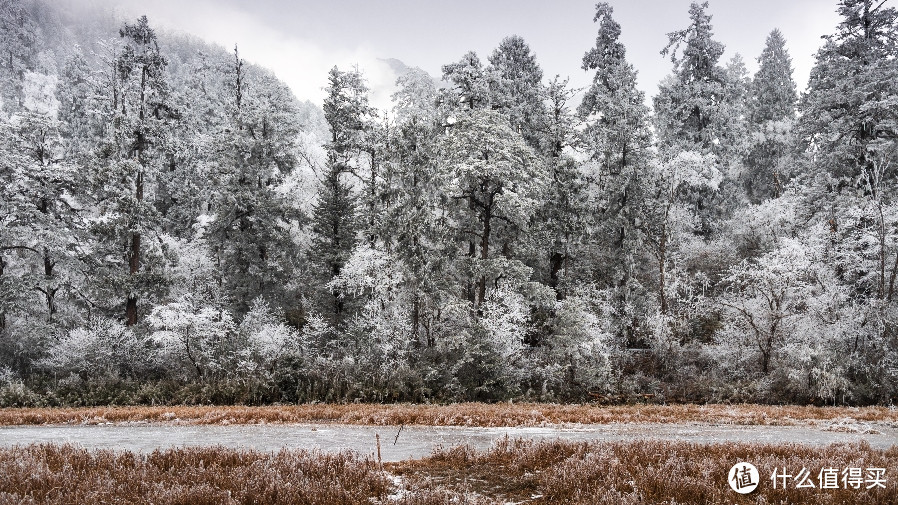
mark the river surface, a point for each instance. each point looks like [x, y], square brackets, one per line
[416, 441]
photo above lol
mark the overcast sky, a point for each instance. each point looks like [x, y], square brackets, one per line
[300, 39]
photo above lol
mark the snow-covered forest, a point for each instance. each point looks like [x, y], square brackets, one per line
[175, 226]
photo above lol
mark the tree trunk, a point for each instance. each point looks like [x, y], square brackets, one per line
[556, 261]
[2, 313]
[134, 263]
[882, 251]
[662, 256]
[892, 278]
[50, 292]
[416, 315]
[484, 253]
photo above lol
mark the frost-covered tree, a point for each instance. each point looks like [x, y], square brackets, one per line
[517, 91]
[470, 83]
[415, 99]
[18, 48]
[848, 123]
[334, 220]
[767, 295]
[771, 115]
[412, 229]
[136, 114]
[696, 108]
[688, 106]
[494, 182]
[850, 102]
[46, 229]
[560, 220]
[666, 214]
[773, 96]
[250, 230]
[334, 227]
[616, 133]
[617, 139]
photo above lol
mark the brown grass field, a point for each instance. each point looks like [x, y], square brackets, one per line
[639, 472]
[519, 472]
[462, 414]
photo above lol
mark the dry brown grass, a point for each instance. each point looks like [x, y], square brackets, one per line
[643, 472]
[462, 414]
[538, 473]
[62, 475]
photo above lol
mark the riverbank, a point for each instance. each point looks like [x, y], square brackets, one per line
[462, 414]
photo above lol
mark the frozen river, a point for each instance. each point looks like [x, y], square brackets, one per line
[416, 441]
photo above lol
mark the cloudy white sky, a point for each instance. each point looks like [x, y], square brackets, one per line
[301, 39]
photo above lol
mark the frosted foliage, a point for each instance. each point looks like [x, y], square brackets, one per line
[692, 169]
[788, 266]
[176, 322]
[367, 269]
[40, 93]
[199, 336]
[101, 347]
[266, 334]
[505, 316]
[176, 226]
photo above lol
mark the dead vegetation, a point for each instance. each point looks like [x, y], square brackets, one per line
[538, 473]
[462, 414]
[62, 475]
[643, 472]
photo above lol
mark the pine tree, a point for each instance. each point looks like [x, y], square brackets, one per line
[250, 235]
[771, 113]
[616, 134]
[773, 95]
[136, 114]
[517, 91]
[18, 47]
[688, 108]
[334, 218]
[334, 225]
[617, 138]
[697, 109]
[494, 182]
[849, 125]
[470, 83]
[410, 227]
[850, 103]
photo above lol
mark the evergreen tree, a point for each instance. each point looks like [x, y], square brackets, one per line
[617, 139]
[849, 106]
[696, 109]
[517, 91]
[470, 83]
[616, 134]
[18, 47]
[773, 96]
[136, 114]
[771, 113]
[334, 218]
[494, 182]
[334, 225]
[849, 125]
[410, 226]
[688, 107]
[250, 234]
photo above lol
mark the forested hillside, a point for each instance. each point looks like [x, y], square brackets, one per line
[175, 226]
